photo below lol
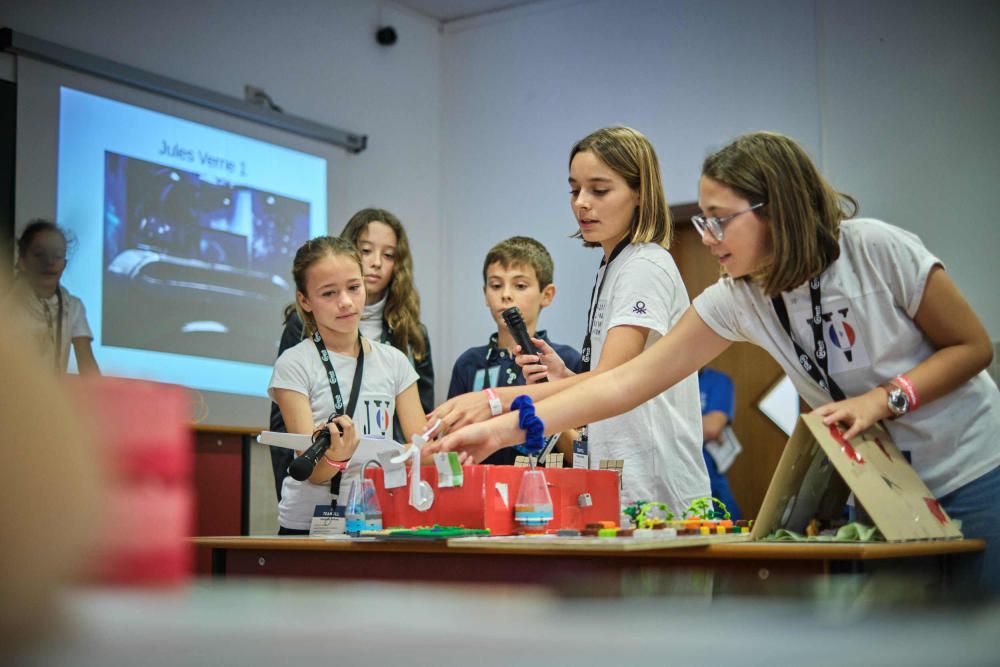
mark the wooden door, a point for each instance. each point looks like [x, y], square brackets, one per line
[752, 369]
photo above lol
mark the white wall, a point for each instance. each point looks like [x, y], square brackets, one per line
[521, 88]
[898, 102]
[910, 117]
[317, 60]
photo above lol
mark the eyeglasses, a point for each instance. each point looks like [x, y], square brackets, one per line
[714, 225]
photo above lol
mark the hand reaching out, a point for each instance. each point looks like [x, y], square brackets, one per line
[459, 411]
[473, 442]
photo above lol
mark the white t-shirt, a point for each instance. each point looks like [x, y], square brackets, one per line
[660, 441]
[387, 373]
[869, 298]
[38, 318]
[371, 320]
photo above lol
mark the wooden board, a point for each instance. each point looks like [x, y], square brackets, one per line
[550, 542]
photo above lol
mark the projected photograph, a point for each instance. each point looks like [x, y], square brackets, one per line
[194, 264]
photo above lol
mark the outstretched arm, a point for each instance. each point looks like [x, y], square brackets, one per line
[623, 343]
[963, 349]
[687, 347]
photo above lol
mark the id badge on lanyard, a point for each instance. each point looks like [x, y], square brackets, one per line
[581, 450]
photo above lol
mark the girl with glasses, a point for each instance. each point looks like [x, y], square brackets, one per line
[860, 315]
[616, 195]
[53, 318]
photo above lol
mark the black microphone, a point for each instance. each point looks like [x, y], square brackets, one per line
[303, 466]
[515, 324]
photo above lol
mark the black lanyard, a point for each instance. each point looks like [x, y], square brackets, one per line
[331, 375]
[817, 369]
[338, 399]
[491, 349]
[511, 378]
[59, 332]
[57, 325]
[595, 296]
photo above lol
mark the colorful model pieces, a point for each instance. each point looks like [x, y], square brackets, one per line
[707, 508]
[435, 532]
[645, 514]
[661, 529]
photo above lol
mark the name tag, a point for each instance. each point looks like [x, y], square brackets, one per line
[581, 450]
[328, 520]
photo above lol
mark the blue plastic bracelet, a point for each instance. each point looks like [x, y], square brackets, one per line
[534, 428]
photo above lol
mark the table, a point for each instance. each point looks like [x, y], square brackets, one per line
[506, 563]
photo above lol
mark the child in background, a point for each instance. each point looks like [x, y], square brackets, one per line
[616, 194]
[894, 339]
[718, 400]
[51, 316]
[372, 382]
[516, 272]
[392, 307]
[391, 314]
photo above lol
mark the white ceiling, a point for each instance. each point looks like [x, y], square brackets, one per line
[453, 10]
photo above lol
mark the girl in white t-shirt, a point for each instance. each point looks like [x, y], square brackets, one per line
[616, 194]
[330, 298]
[54, 318]
[893, 337]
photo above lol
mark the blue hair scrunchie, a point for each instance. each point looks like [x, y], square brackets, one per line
[534, 428]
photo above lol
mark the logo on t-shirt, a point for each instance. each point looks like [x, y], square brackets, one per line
[639, 308]
[840, 332]
[841, 343]
[376, 417]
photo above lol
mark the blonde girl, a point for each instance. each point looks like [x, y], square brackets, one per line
[336, 372]
[616, 195]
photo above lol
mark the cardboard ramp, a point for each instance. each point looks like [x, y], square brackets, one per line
[819, 468]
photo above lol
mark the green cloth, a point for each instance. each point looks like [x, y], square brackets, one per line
[852, 532]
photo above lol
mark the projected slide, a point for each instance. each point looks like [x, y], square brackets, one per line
[186, 237]
[208, 257]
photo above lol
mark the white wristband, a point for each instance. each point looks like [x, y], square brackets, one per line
[496, 407]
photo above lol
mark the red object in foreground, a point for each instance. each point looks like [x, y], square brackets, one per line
[143, 436]
[486, 499]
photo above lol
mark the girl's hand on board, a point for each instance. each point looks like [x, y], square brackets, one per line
[857, 414]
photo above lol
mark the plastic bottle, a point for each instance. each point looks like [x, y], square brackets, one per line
[533, 509]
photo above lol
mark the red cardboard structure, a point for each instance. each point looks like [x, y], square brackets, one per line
[486, 499]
